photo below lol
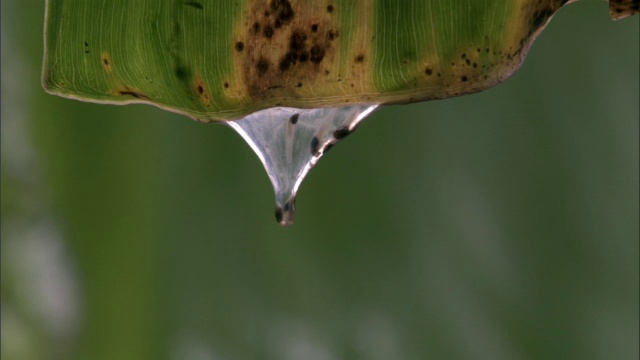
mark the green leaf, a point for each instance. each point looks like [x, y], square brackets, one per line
[221, 60]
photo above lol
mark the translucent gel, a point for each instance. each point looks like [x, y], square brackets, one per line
[290, 141]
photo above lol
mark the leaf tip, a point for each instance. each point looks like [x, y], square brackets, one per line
[620, 9]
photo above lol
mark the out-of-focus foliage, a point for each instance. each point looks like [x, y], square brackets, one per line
[502, 225]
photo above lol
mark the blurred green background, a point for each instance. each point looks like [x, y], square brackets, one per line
[501, 225]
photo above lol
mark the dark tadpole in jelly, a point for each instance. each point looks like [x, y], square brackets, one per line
[315, 145]
[341, 133]
[278, 214]
[285, 215]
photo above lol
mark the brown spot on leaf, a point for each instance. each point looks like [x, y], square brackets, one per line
[285, 48]
[107, 64]
[201, 91]
[135, 94]
[262, 66]
[316, 54]
[268, 32]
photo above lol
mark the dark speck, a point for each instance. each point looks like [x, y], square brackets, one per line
[314, 28]
[279, 214]
[226, 85]
[86, 43]
[464, 78]
[428, 71]
[341, 133]
[316, 54]
[330, 8]
[314, 145]
[297, 40]
[194, 4]
[288, 60]
[286, 12]
[239, 46]
[284, 64]
[263, 66]
[291, 56]
[360, 58]
[294, 118]
[181, 72]
[135, 94]
[200, 89]
[256, 27]
[268, 32]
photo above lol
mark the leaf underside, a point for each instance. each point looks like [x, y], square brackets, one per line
[221, 60]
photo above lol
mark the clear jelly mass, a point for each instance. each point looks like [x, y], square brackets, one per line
[290, 141]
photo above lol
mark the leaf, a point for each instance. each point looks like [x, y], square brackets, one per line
[221, 60]
[620, 9]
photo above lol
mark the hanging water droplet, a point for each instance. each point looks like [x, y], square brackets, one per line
[290, 141]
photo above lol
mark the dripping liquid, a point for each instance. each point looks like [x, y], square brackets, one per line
[290, 141]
